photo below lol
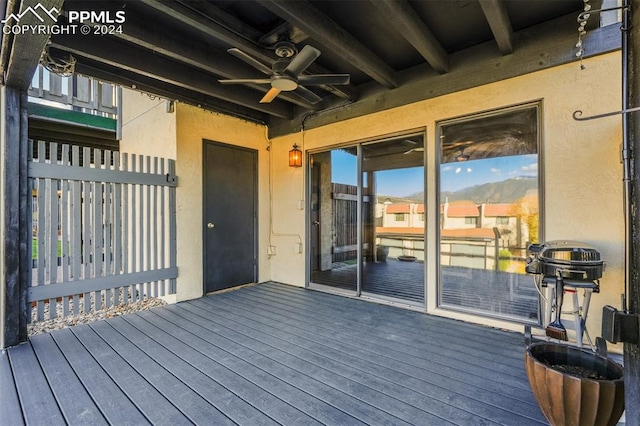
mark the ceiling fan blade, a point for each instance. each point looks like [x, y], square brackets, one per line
[271, 95]
[246, 81]
[307, 95]
[250, 60]
[302, 60]
[328, 79]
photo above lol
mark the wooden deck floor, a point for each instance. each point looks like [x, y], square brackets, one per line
[393, 278]
[269, 354]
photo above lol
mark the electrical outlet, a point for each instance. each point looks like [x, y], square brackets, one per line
[298, 247]
[271, 250]
[301, 205]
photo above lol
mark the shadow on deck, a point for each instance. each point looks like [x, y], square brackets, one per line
[270, 354]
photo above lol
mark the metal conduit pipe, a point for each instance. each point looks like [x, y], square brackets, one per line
[631, 149]
[626, 154]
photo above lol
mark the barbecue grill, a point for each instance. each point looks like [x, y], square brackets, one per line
[567, 263]
[570, 259]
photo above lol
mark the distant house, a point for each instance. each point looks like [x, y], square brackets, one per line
[456, 217]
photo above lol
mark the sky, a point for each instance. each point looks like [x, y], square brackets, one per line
[453, 176]
[456, 176]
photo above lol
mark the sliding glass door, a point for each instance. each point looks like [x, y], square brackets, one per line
[367, 218]
[393, 228]
[489, 213]
[334, 218]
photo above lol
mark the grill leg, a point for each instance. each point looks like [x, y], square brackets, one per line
[577, 319]
[580, 316]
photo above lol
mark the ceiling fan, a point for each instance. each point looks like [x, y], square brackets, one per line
[420, 149]
[285, 74]
[414, 143]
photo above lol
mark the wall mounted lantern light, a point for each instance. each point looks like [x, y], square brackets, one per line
[295, 157]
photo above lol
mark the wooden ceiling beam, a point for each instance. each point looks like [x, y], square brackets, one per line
[218, 31]
[539, 47]
[496, 14]
[225, 19]
[129, 57]
[166, 90]
[404, 19]
[23, 51]
[319, 26]
[195, 53]
[199, 55]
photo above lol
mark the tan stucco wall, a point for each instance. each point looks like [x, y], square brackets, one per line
[194, 125]
[147, 127]
[580, 164]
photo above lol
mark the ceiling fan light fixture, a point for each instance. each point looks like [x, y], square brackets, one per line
[284, 83]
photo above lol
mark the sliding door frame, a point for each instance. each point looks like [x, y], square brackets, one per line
[428, 148]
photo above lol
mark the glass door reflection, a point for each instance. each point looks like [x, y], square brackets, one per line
[333, 218]
[393, 218]
[489, 213]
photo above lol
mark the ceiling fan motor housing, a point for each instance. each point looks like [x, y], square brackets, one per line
[285, 49]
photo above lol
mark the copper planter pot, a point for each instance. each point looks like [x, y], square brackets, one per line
[567, 400]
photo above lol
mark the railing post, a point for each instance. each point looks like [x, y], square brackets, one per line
[14, 217]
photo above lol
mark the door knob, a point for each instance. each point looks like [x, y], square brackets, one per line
[210, 225]
[316, 222]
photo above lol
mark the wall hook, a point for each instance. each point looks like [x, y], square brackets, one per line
[585, 15]
[577, 115]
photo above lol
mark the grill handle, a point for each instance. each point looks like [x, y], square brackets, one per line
[565, 273]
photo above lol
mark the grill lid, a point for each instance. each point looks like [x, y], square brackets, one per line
[569, 253]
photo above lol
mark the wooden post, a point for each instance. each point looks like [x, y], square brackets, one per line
[632, 351]
[15, 220]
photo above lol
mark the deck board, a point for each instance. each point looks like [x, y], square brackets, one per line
[194, 406]
[309, 375]
[468, 376]
[403, 340]
[34, 393]
[413, 330]
[153, 405]
[271, 354]
[427, 405]
[427, 378]
[252, 362]
[202, 374]
[9, 403]
[112, 402]
[75, 404]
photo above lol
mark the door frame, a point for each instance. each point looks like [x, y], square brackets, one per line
[429, 257]
[256, 237]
